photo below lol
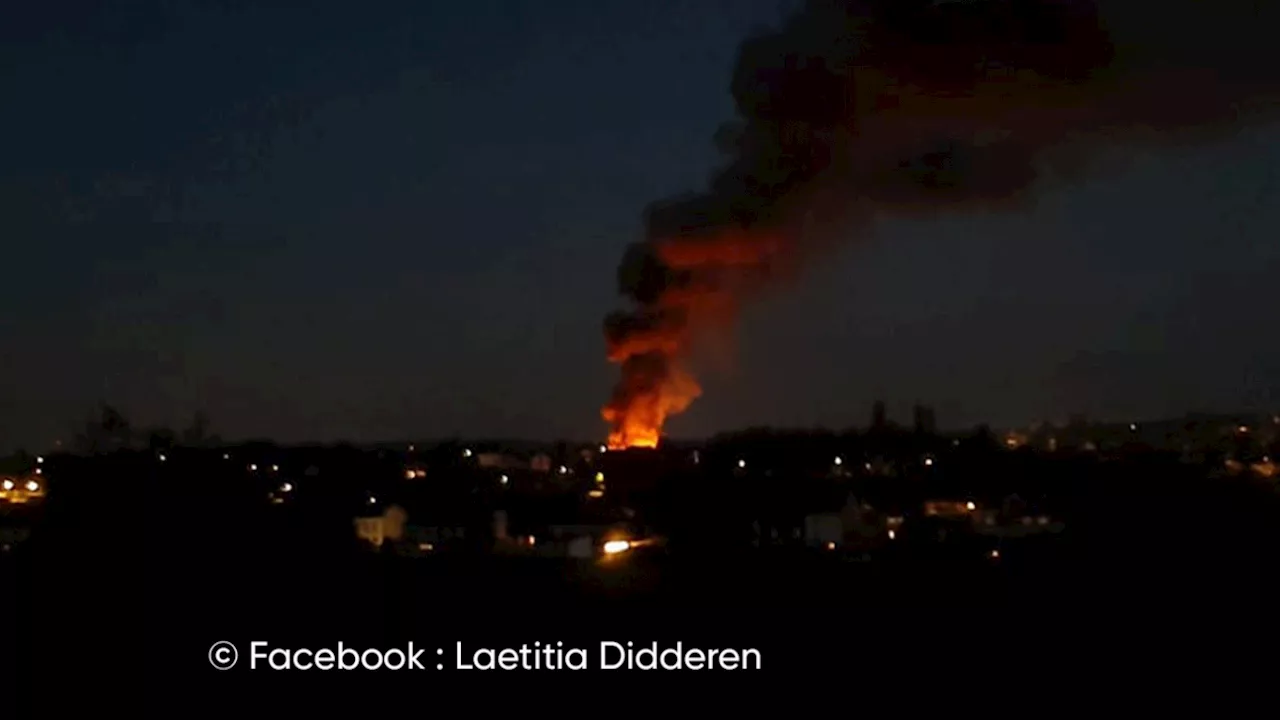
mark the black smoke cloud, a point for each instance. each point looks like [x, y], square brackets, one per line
[860, 108]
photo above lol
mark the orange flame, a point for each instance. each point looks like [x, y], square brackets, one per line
[651, 349]
[638, 419]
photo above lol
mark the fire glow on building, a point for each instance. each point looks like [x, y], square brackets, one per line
[855, 111]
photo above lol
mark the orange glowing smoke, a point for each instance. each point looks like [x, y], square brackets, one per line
[653, 344]
[729, 248]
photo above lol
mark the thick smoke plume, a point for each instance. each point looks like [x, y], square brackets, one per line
[856, 109]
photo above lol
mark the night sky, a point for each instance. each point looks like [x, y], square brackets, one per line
[317, 223]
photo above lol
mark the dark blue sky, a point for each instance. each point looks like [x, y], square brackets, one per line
[318, 223]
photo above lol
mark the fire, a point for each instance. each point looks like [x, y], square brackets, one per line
[652, 342]
[643, 403]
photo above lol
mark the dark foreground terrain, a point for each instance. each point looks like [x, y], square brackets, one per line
[119, 596]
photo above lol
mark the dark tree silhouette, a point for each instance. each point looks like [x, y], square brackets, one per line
[108, 433]
[161, 438]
